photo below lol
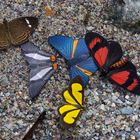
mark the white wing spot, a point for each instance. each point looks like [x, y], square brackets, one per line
[37, 56]
[40, 74]
[27, 21]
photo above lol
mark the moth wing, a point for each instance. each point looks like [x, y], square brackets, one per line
[69, 114]
[21, 28]
[104, 53]
[40, 67]
[38, 78]
[66, 108]
[74, 94]
[69, 98]
[76, 89]
[34, 56]
[4, 43]
[126, 77]
[73, 97]
[115, 53]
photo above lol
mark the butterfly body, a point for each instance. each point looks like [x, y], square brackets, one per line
[78, 60]
[16, 31]
[119, 64]
[113, 67]
[76, 54]
[41, 65]
[74, 98]
[108, 57]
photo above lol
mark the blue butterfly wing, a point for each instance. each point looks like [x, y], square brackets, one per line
[76, 72]
[62, 44]
[81, 48]
[87, 65]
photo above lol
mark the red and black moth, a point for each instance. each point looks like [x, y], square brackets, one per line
[108, 57]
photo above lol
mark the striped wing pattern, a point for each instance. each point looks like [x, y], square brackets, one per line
[40, 67]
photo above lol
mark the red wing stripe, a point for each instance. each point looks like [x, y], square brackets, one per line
[133, 85]
[101, 55]
[120, 77]
[94, 42]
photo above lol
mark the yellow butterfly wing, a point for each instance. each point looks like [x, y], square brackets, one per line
[75, 93]
[73, 97]
[69, 113]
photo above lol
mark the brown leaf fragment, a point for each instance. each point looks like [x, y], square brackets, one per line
[48, 11]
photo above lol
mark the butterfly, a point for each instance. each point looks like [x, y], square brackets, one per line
[108, 57]
[77, 55]
[41, 65]
[74, 97]
[16, 31]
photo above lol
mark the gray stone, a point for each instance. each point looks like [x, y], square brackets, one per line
[127, 110]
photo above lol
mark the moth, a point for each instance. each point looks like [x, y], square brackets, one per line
[41, 65]
[108, 57]
[16, 31]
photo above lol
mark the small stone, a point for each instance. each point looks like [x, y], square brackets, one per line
[132, 137]
[58, 96]
[108, 121]
[135, 117]
[113, 105]
[97, 98]
[127, 97]
[88, 92]
[90, 28]
[127, 110]
[102, 107]
[97, 126]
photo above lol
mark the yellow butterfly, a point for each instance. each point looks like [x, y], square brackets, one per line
[74, 97]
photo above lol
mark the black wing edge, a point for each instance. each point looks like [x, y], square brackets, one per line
[29, 134]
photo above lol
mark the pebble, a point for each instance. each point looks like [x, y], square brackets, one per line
[102, 107]
[127, 110]
[132, 137]
[90, 28]
[108, 121]
[110, 112]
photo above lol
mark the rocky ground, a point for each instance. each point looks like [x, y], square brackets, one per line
[123, 13]
[111, 112]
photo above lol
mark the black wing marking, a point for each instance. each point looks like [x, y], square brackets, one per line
[97, 43]
[115, 53]
[126, 77]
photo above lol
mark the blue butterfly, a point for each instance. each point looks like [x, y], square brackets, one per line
[77, 55]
